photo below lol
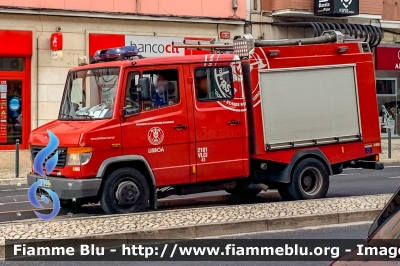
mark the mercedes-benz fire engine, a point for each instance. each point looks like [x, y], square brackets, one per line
[247, 116]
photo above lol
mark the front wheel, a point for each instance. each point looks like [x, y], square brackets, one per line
[125, 191]
[309, 180]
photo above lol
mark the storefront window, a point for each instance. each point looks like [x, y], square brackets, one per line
[12, 64]
[387, 91]
[10, 111]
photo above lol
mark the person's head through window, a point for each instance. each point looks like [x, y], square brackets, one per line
[161, 93]
[161, 82]
[202, 87]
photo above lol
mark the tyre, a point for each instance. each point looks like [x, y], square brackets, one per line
[125, 191]
[309, 180]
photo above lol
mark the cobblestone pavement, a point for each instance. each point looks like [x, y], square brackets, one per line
[7, 164]
[168, 219]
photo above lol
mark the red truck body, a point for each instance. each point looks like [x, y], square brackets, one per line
[233, 144]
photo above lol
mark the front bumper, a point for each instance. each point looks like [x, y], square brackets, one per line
[68, 189]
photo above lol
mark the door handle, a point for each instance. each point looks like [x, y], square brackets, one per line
[180, 127]
[234, 122]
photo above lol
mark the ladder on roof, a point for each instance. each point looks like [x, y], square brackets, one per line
[204, 45]
[244, 45]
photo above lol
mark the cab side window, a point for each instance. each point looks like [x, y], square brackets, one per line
[214, 83]
[164, 88]
[131, 94]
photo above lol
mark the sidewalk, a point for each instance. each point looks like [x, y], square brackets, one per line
[395, 151]
[7, 164]
[7, 159]
[205, 222]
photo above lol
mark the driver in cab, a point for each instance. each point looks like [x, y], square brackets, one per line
[161, 92]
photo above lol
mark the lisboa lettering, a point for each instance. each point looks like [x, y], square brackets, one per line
[154, 150]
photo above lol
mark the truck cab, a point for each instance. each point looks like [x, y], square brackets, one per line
[144, 123]
[131, 130]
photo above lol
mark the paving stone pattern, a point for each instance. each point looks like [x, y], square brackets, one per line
[157, 220]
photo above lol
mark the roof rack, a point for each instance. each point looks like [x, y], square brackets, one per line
[244, 45]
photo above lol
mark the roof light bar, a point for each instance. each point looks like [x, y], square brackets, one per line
[118, 53]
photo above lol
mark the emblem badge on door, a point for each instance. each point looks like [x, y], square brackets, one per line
[155, 135]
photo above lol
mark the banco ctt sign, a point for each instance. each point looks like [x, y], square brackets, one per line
[148, 46]
[49, 166]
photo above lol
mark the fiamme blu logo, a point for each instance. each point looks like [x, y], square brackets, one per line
[49, 166]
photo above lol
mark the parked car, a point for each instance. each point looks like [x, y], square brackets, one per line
[383, 231]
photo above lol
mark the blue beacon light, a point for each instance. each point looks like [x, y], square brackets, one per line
[118, 53]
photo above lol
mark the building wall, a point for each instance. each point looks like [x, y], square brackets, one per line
[202, 8]
[52, 72]
[391, 10]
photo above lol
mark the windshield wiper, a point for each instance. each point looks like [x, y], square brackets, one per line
[67, 115]
[87, 116]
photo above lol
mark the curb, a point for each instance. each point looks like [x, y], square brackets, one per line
[13, 181]
[226, 228]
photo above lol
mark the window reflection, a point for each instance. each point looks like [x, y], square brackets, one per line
[12, 64]
[10, 111]
[386, 89]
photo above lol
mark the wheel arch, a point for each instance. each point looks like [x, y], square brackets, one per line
[304, 154]
[286, 175]
[132, 161]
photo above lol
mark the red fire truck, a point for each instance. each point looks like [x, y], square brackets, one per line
[247, 116]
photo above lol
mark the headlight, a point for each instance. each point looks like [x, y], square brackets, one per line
[78, 156]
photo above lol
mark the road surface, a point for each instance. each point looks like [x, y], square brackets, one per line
[350, 231]
[14, 204]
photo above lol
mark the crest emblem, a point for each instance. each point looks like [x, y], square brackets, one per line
[155, 136]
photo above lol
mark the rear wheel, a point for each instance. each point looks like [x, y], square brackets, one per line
[309, 180]
[125, 190]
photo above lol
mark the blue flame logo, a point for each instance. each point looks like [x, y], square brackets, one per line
[38, 167]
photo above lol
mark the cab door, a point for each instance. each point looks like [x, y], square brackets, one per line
[219, 122]
[159, 133]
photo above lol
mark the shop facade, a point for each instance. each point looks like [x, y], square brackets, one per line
[33, 72]
[15, 86]
[387, 63]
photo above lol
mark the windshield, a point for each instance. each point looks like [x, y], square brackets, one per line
[90, 94]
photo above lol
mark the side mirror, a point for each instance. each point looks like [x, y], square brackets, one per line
[131, 110]
[144, 88]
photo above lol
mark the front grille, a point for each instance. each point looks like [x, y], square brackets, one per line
[62, 155]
